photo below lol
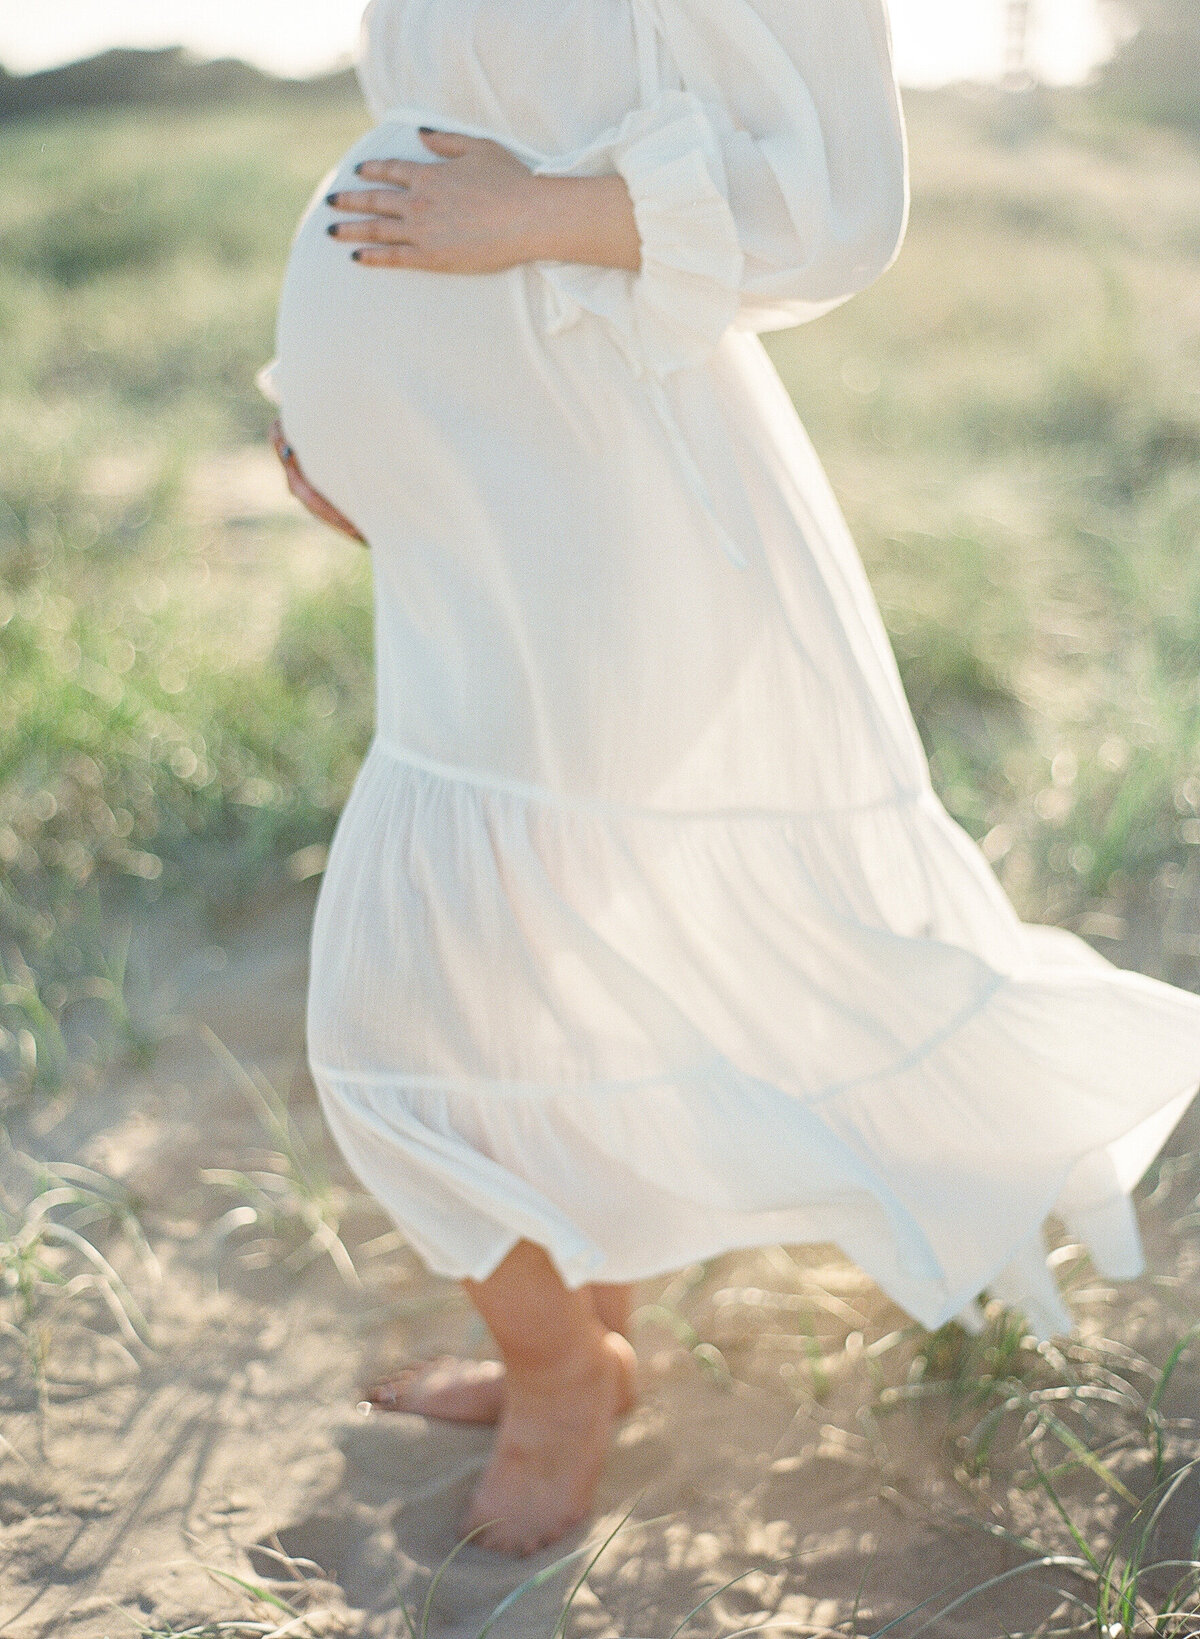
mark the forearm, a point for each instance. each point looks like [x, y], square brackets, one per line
[583, 219]
[483, 210]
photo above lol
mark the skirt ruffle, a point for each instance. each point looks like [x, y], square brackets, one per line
[641, 1038]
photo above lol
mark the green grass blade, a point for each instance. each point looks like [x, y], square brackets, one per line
[427, 1607]
[254, 1589]
[707, 1600]
[1048, 1562]
[1086, 1456]
[1153, 1421]
[1077, 1537]
[409, 1625]
[537, 1580]
[126, 1310]
[560, 1625]
[790, 1622]
[913, 1610]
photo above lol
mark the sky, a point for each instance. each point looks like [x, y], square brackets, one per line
[936, 40]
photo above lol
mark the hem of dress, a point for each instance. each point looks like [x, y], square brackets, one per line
[932, 1296]
[588, 1263]
[470, 1086]
[485, 780]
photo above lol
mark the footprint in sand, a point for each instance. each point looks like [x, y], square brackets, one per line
[407, 1484]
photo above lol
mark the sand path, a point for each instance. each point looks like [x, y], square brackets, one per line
[755, 1452]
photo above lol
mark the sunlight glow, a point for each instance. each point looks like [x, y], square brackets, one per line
[936, 40]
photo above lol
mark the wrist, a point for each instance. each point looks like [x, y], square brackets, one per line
[585, 219]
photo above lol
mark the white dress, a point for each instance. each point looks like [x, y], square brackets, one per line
[643, 935]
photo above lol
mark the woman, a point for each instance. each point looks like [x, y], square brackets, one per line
[643, 935]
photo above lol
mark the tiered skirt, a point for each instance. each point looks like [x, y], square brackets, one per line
[641, 1038]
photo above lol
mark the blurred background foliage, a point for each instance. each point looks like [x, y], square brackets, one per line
[1156, 72]
[1011, 418]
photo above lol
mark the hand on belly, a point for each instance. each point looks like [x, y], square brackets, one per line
[482, 210]
[304, 491]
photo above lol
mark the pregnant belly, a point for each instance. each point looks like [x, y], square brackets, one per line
[377, 367]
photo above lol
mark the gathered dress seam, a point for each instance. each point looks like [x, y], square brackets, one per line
[503, 785]
[717, 1064]
[518, 1089]
[917, 1055]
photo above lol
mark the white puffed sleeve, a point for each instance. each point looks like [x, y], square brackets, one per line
[675, 309]
[769, 183]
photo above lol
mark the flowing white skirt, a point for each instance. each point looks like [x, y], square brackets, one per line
[749, 1029]
[643, 935]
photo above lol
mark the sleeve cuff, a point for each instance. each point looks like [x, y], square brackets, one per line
[266, 382]
[674, 311]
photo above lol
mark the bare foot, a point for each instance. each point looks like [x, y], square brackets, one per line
[459, 1391]
[551, 1445]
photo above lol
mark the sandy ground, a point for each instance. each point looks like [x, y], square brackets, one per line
[762, 1447]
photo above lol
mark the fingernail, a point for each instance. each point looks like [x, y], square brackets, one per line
[331, 199]
[359, 166]
[356, 255]
[332, 228]
[427, 128]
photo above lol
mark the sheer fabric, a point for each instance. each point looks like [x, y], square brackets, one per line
[644, 935]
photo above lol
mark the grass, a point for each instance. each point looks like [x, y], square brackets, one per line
[1128, 1591]
[59, 1237]
[1012, 422]
[1010, 418]
[1016, 442]
[1084, 1425]
[136, 299]
[288, 1200]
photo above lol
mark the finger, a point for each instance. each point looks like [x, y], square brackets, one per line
[401, 255]
[397, 172]
[283, 449]
[299, 486]
[313, 499]
[372, 230]
[303, 490]
[449, 144]
[285, 452]
[315, 502]
[369, 201]
[330, 515]
[320, 508]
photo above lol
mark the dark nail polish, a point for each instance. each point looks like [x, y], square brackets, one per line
[359, 166]
[356, 255]
[332, 229]
[427, 128]
[331, 199]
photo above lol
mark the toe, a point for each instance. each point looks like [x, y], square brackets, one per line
[390, 1393]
